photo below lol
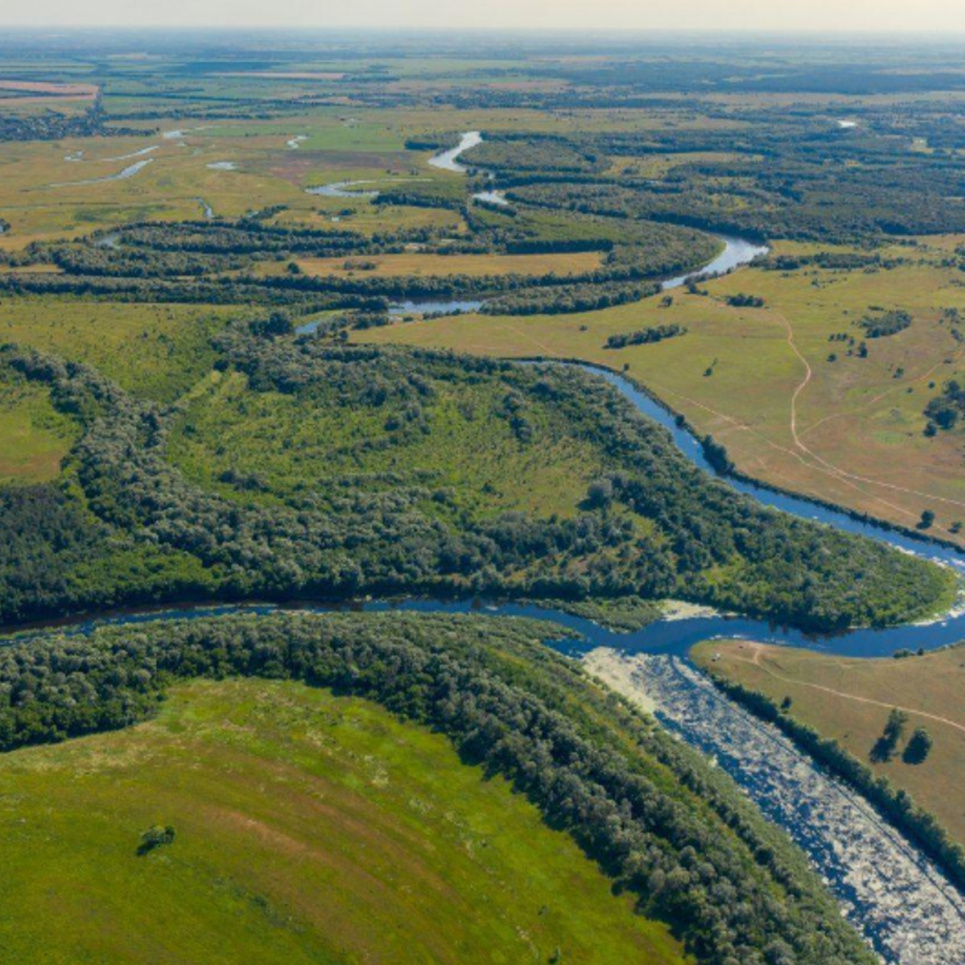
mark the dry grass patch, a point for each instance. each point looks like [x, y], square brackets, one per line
[849, 699]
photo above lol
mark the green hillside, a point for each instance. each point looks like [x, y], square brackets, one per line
[308, 828]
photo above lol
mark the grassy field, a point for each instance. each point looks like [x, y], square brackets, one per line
[317, 440]
[52, 190]
[34, 436]
[309, 828]
[155, 351]
[849, 699]
[761, 380]
[428, 265]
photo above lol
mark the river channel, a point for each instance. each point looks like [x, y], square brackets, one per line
[897, 899]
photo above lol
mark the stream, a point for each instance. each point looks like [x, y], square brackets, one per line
[898, 900]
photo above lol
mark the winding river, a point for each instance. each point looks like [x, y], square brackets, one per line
[905, 909]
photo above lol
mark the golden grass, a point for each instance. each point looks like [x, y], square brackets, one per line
[418, 264]
[849, 699]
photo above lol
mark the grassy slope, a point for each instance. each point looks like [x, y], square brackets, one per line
[34, 436]
[853, 414]
[153, 351]
[309, 439]
[931, 684]
[309, 829]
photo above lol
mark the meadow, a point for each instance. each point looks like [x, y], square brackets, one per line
[432, 265]
[309, 828]
[34, 436]
[322, 440]
[155, 351]
[849, 700]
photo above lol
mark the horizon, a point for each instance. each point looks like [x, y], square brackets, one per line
[929, 18]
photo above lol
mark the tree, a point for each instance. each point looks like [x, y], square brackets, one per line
[600, 493]
[927, 518]
[155, 837]
[886, 745]
[918, 747]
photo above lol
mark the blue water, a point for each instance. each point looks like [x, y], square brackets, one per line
[677, 636]
[434, 308]
[737, 252]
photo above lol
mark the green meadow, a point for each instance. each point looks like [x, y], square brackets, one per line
[308, 828]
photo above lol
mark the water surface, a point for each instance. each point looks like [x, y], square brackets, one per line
[447, 159]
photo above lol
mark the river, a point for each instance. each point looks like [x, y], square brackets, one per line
[896, 899]
[447, 159]
[128, 172]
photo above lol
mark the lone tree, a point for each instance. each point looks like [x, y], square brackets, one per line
[886, 745]
[918, 747]
[155, 837]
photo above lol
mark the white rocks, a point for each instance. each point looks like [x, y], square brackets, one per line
[896, 898]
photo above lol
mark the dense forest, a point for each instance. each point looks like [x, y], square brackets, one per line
[664, 824]
[363, 514]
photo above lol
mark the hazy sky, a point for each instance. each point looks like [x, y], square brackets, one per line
[847, 15]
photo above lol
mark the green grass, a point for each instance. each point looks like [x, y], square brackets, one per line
[34, 436]
[309, 828]
[315, 440]
[152, 350]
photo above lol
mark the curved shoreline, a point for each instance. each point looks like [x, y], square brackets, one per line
[674, 636]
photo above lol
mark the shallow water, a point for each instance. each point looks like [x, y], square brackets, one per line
[128, 172]
[435, 307]
[126, 157]
[492, 197]
[447, 159]
[342, 189]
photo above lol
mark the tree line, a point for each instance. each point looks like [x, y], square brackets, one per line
[657, 818]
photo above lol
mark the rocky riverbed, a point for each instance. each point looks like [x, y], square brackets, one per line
[899, 901]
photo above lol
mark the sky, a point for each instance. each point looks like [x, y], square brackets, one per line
[943, 16]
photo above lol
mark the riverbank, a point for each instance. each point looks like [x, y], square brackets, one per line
[849, 701]
[904, 906]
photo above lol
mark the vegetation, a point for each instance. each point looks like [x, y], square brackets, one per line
[313, 470]
[186, 413]
[838, 709]
[645, 336]
[320, 873]
[671, 830]
[890, 323]
[892, 472]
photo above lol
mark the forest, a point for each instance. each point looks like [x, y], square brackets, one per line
[153, 507]
[657, 818]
